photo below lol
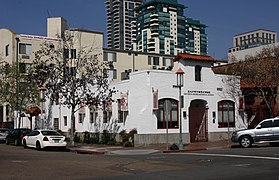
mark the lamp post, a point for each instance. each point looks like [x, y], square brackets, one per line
[179, 85]
[42, 90]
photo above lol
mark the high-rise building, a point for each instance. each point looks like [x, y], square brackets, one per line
[196, 38]
[161, 27]
[120, 14]
[253, 39]
[251, 43]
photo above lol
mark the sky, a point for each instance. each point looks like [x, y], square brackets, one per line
[224, 18]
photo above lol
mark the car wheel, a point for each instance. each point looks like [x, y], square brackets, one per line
[38, 146]
[245, 141]
[24, 144]
[7, 142]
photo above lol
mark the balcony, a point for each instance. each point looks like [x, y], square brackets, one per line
[154, 15]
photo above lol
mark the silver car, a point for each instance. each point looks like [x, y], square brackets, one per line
[3, 134]
[265, 131]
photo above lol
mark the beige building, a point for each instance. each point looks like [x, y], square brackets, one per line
[125, 62]
[250, 43]
[21, 47]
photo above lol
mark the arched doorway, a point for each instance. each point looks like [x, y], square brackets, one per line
[198, 121]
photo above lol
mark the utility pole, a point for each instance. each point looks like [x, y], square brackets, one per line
[17, 82]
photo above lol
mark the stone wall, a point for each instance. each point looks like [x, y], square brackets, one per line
[218, 136]
[148, 139]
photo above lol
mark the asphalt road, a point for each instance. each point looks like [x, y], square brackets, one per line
[237, 163]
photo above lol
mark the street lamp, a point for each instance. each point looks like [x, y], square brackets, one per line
[179, 85]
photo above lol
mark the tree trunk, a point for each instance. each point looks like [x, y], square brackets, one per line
[73, 126]
[30, 118]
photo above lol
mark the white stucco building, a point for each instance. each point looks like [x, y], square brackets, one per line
[208, 112]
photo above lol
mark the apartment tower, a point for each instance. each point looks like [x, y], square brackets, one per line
[196, 38]
[161, 27]
[120, 14]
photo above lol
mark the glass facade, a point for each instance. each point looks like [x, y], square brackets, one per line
[165, 26]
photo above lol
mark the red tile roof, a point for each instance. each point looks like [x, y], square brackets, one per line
[192, 57]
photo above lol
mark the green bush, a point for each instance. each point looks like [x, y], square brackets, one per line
[86, 137]
[76, 138]
[105, 138]
[94, 138]
[127, 139]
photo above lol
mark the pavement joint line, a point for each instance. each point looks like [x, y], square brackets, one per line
[233, 155]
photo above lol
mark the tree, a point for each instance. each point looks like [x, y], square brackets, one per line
[260, 73]
[16, 88]
[72, 74]
[259, 78]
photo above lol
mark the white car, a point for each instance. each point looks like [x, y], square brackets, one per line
[40, 139]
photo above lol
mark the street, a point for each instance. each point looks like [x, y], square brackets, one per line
[229, 163]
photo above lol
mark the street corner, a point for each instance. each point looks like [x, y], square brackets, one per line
[87, 151]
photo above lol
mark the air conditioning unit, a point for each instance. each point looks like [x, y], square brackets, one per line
[25, 57]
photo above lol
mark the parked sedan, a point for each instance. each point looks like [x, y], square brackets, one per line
[40, 139]
[15, 136]
[265, 131]
[3, 134]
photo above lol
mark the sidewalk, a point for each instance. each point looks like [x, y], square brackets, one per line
[148, 149]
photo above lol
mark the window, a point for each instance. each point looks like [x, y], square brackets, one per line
[198, 73]
[266, 124]
[167, 62]
[107, 111]
[153, 60]
[7, 50]
[81, 117]
[112, 73]
[24, 67]
[276, 123]
[93, 116]
[122, 111]
[226, 114]
[56, 123]
[34, 133]
[172, 117]
[25, 49]
[73, 53]
[66, 53]
[65, 120]
[110, 56]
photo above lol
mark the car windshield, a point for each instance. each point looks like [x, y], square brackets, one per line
[51, 133]
[4, 131]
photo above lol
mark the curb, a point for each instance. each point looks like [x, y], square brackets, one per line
[82, 151]
[184, 150]
[94, 152]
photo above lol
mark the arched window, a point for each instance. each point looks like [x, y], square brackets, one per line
[226, 114]
[167, 114]
[198, 73]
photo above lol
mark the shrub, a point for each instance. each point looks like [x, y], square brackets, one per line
[105, 137]
[86, 137]
[76, 138]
